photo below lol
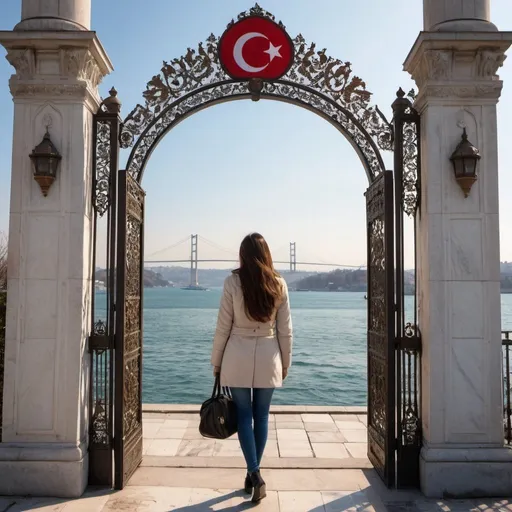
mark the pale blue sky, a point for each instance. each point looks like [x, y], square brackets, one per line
[263, 166]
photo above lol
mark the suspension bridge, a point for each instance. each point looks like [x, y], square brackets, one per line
[194, 259]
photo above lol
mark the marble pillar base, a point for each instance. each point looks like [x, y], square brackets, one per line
[43, 469]
[466, 473]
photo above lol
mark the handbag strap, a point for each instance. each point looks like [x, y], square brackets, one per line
[216, 387]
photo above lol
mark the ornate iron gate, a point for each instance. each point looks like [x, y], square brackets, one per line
[128, 338]
[326, 86]
[407, 165]
[106, 127]
[381, 327]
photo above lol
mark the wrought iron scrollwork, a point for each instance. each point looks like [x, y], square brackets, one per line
[128, 438]
[256, 11]
[406, 127]
[410, 424]
[322, 83]
[103, 158]
[407, 156]
[381, 387]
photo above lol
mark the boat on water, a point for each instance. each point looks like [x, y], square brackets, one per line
[195, 287]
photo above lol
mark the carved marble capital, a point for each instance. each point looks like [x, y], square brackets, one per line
[464, 90]
[458, 65]
[23, 60]
[71, 64]
[452, 65]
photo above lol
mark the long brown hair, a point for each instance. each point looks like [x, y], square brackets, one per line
[260, 284]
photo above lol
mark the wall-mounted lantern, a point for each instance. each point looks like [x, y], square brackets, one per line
[465, 161]
[46, 159]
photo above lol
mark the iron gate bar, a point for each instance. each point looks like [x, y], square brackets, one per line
[406, 124]
[381, 327]
[129, 328]
[106, 128]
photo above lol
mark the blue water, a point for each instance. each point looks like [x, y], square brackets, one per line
[329, 357]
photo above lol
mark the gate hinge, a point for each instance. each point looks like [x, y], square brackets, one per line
[408, 343]
[100, 342]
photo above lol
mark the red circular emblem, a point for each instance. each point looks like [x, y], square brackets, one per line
[256, 47]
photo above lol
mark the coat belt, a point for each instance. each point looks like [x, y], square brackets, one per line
[256, 332]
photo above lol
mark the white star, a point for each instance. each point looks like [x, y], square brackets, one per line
[273, 51]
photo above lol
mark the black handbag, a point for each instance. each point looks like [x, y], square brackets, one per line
[218, 414]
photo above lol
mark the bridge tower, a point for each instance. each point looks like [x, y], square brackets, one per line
[293, 257]
[193, 261]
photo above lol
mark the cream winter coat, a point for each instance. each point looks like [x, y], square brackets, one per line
[251, 354]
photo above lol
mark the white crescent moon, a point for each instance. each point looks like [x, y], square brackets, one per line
[237, 52]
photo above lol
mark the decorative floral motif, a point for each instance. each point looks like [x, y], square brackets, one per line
[129, 376]
[378, 340]
[256, 11]
[102, 162]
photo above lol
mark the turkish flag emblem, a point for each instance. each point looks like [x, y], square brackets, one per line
[256, 47]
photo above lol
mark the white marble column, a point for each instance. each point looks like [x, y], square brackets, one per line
[457, 16]
[55, 15]
[458, 255]
[45, 416]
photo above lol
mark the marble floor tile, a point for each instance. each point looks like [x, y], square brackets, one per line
[350, 425]
[271, 449]
[146, 443]
[317, 418]
[326, 437]
[152, 420]
[290, 425]
[196, 448]
[363, 418]
[286, 418]
[343, 501]
[208, 500]
[292, 435]
[357, 450]
[163, 447]
[149, 430]
[148, 498]
[39, 504]
[170, 433]
[192, 433]
[227, 448]
[345, 417]
[178, 424]
[355, 436]
[321, 427]
[330, 451]
[301, 501]
[294, 449]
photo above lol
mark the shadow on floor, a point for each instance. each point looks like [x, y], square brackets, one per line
[355, 502]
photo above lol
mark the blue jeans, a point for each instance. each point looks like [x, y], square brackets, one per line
[252, 441]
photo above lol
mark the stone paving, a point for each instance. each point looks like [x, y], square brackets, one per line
[295, 441]
[316, 462]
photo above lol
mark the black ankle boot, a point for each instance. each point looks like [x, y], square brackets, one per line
[260, 488]
[248, 484]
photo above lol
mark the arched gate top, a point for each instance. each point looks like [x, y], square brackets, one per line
[315, 81]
